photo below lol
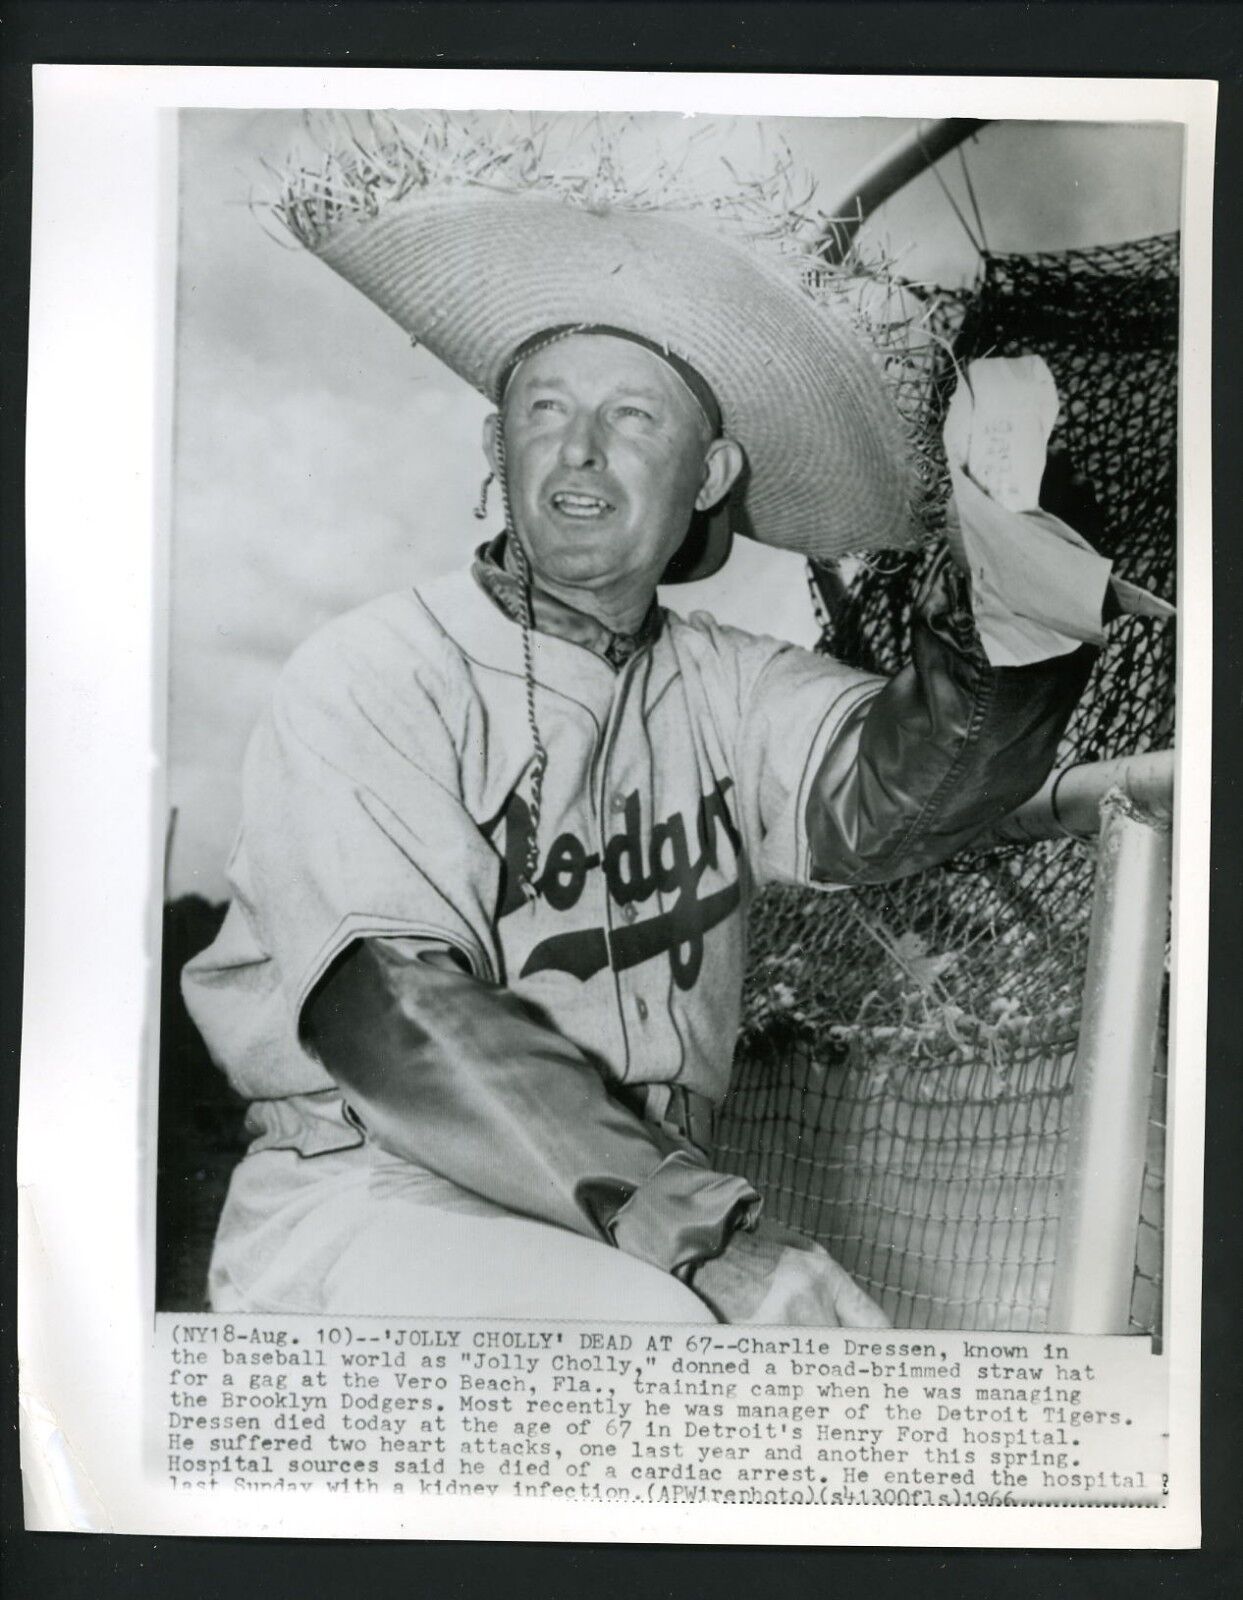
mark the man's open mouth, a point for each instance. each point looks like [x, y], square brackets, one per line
[580, 505]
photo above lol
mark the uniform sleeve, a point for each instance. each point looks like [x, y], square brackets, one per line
[898, 774]
[462, 1077]
[353, 822]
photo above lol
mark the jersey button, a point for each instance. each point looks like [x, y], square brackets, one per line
[618, 802]
[640, 1006]
[630, 911]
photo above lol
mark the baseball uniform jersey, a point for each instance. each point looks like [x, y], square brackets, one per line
[384, 794]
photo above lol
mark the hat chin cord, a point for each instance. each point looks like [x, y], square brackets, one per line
[540, 763]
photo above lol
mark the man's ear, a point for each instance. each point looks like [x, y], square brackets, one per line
[491, 434]
[723, 461]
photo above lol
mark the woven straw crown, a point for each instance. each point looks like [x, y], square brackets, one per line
[472, 273]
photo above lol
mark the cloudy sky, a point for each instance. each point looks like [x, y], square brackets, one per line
[319, 460]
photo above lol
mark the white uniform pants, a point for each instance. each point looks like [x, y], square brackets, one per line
[359, 1232]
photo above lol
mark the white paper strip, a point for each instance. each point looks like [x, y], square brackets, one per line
[1038, 586]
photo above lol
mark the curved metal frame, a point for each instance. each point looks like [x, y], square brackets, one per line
[913, 154]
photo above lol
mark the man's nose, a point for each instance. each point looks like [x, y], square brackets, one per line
[582, 444]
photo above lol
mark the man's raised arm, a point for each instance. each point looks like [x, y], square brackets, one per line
[945, 749]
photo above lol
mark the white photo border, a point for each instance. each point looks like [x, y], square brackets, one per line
[99, 431]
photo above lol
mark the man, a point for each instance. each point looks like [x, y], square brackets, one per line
[482, 971]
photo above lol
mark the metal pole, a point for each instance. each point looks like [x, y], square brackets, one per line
[1070, 800]
[1113, 1072]
[912, 154]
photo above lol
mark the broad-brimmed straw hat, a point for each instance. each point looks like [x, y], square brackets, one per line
[473, 249]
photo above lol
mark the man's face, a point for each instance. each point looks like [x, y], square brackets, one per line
[606, 455]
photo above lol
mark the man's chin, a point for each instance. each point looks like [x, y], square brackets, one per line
[589, 565]
[582, 574]
[587, 558]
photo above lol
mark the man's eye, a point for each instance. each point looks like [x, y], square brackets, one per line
[545, 405]
[633, 412]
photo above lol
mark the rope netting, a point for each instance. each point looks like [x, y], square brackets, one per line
[902, 1089]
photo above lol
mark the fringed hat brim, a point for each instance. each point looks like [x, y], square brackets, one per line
[473, 274]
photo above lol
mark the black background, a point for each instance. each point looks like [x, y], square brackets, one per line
[923, 36]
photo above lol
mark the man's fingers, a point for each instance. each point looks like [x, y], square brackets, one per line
[855, 1307]
[806, 1288]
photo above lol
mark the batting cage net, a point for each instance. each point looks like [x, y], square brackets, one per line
[903, 1085]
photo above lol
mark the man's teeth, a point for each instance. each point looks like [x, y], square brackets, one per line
[580, 505]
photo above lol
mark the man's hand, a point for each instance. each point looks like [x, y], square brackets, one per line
[775, 1275]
